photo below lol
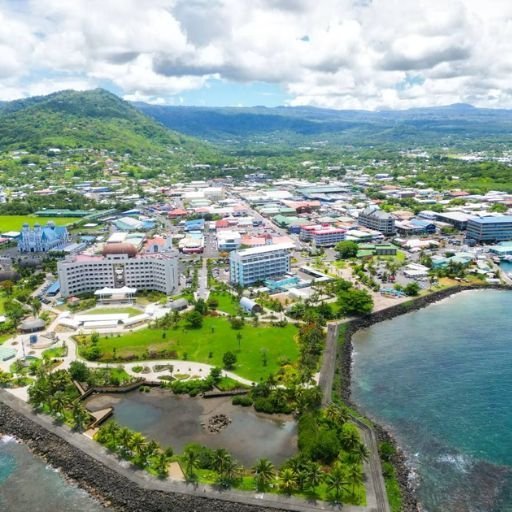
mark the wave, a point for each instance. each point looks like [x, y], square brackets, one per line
[6, 439]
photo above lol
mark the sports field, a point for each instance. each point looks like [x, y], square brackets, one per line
[15, 222]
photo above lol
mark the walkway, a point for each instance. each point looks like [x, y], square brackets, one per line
[376, 496]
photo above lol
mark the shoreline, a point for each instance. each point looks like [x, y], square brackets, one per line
[400, 460]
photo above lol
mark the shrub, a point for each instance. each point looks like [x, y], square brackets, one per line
[243, 400]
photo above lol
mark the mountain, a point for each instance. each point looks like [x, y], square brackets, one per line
[456, 124]
[91, 119]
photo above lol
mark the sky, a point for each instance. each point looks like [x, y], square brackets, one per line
[343, 54]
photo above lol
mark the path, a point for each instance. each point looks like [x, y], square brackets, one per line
[376, 496]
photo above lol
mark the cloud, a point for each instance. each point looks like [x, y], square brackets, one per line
[333, 53]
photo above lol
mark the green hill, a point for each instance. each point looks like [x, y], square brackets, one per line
[91, 119]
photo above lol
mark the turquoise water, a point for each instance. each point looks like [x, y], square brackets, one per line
[441, 380]
[28, 484]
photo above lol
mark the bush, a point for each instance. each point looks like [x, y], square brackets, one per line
[243, 400]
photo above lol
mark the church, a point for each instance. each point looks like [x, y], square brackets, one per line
[42, 238]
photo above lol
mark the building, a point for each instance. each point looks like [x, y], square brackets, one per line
[490, 229]
[258, 263]
[119, 266]
[42, 238]
[458, 220]
[373, 217]
[327, 237]
[228, 240]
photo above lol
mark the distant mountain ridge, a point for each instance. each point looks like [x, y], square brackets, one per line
[96, 119]
[456, 122]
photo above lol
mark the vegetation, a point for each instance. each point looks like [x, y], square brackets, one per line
[262, 352]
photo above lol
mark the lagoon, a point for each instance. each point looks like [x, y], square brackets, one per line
[175, 420]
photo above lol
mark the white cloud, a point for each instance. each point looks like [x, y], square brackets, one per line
[334, 53]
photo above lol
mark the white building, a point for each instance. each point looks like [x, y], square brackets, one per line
[373, 217]
[228, 240]
[327, 237]
[258, 263]
[119, 266]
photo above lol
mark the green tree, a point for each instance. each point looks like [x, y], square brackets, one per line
[229, 359]
[194, 320]
[263, 474]
[80, 416]
[354, 477]
[336, 482]
[287, 480]
[190, 461]
[346, 249]
[355, 302]
[79, 371]
[412, 289]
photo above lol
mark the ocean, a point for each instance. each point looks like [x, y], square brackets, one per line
[441, 380]
[28, 484]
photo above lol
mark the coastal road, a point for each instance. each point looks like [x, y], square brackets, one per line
[329, 362]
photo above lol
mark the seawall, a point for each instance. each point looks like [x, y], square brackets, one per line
[344, 363]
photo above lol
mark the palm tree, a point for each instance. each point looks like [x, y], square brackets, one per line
[359, 454]
[80, 416]
[350, 438]
[162, 465]
[231, 472]
[263, 473]
[125, 436]
[354, 477]
[287, 480]
[138, 445]
[314, 475]
[336, 482]
[221, 458]
[58, 403]
[190, 460]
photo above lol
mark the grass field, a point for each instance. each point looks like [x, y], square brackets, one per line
[112, 311]
[208, 344]
[15, 222]
[227, 302]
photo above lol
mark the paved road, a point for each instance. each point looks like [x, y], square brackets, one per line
[329, 362]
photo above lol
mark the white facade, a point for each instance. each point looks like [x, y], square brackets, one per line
[82, 274]
[228, 240]
[258, 263]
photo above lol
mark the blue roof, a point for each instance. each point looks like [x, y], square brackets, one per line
[54, 287]
[493, 220]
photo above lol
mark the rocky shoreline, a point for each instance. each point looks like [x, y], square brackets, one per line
[400, 461]
[105, 484]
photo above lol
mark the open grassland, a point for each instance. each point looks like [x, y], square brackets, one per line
[260, 351]
[15, 222]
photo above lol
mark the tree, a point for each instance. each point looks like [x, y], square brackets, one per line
[213, 303]
[350, 438]
[194, 320]
[58, 403]
[80, 416]
[336, 482]
[229, 360]
[216, 375]
[162, 465]
[287, 480]
[354, 477]
[239, 339]
[263, 474]
[35, 305]
[79, 371]
[190, 461]
[346, 249]
[201, 307]
[355, 302]
[412, 289]
[314, 475]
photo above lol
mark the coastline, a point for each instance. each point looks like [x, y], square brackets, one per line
[400, 460]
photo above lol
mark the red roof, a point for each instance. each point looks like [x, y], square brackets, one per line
[222, 224]
[178, 212]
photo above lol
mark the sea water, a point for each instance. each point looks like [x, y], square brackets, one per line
[27, 483]
[441, 380]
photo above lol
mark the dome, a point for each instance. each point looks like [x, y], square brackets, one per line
[120, 248]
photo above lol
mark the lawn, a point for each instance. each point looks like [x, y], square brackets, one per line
[263, 349]
[113, 311]
[15, 222]
[227, 302]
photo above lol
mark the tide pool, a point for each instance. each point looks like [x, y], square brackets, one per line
[441, 380]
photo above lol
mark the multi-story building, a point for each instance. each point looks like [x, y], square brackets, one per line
[228, 240]
[258, 263]
[42, 238]
[490, 229]
[373, 217]
[119, 266]
[327, 237]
